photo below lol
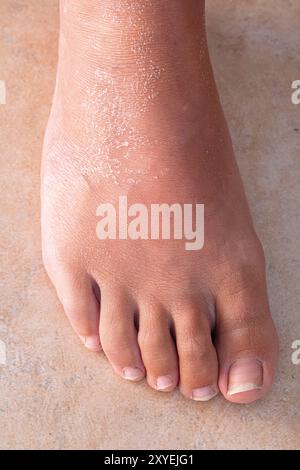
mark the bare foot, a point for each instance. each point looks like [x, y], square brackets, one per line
[136, 113]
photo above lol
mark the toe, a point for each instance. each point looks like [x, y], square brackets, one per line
[246, 342]
[80, 305]
[197, 356]
[119, 336]
[158, 349]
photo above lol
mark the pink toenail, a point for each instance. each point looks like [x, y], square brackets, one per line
[204, 393]
[245, 375]
[132, 373]
[164, 382]
[91, 342]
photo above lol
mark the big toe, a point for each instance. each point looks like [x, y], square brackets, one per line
[247, 345]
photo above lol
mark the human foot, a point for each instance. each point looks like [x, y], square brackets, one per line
[136, 114]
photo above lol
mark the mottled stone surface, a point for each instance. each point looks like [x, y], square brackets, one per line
[53, 393]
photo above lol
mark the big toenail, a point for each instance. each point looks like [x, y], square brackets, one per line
[164, 382]
[91, 342]
[204, 393]
[245, 375]
[132, 373]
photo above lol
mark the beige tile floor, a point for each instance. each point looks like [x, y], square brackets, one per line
[54, 394]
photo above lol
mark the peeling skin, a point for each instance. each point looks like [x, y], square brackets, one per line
[109, 115]
[120, 75]
[110, 121]
[109, 118]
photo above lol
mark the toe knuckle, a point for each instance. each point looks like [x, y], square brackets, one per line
[71, 307]
[54, 258]
[148, 338]
[194, 348]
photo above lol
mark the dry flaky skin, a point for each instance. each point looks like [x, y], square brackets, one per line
[136, 113]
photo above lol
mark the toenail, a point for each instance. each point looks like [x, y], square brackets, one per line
[91, 342]
[132, 373]
[245, 375]
[204, 393]
[164, 382]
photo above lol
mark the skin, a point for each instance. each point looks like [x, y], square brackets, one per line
[136, 112]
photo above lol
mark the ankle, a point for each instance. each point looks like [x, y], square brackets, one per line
[122, 33]
[145, 67]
